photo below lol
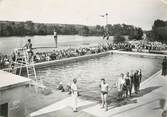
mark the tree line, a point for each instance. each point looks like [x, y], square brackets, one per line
[12, 28]
[158, 32]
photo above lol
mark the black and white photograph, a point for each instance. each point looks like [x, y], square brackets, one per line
[83, 58]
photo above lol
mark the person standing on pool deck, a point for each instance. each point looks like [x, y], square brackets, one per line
[164, 66]
[128, 85]
[120, 84]
[104, 93]
[140, 77]
[74, 93]
[131, 82]
[136, 81]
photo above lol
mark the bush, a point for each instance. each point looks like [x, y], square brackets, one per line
[119, 39]
[160, 34]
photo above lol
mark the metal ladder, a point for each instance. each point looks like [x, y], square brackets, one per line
[17, 63]
[30, 69]
[31, 72]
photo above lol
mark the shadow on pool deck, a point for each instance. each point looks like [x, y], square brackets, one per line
[162, 103]
[113, 103]
[129, 109]
[146, 91]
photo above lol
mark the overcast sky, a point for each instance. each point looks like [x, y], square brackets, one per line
[137, 12]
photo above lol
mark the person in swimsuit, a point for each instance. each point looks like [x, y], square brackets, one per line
[28, 47]
[128, 85]
[104, 93]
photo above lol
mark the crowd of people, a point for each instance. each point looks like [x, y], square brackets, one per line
[128, 82]
[70, 52]
[4, 61]
[140, 46]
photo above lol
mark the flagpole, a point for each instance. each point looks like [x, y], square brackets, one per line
[105, 25]
[106, 18]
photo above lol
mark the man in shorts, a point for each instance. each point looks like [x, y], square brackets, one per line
[104, 93]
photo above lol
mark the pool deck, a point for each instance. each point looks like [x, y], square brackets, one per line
[150, 102]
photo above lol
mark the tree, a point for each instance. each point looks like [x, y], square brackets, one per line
[11, 28]
[42, 29]
[158, 23]
[119, 39]
[139, 34]
[160, 34]
[159, 30]
[84, 31]
[19, 29]
[29, 27]
[99, 30]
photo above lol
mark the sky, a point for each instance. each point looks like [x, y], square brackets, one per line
[141, 13]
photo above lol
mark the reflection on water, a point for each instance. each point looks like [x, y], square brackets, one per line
[91, 71]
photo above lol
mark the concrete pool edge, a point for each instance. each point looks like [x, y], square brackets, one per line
[92, 56]
[141, 54]
[70, 60]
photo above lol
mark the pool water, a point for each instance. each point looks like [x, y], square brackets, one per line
[89, 72]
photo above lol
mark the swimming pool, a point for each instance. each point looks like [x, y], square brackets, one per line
[89, 72]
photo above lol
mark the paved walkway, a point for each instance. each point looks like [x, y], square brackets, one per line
[150, 102]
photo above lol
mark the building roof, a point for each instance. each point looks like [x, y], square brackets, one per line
[8, 80]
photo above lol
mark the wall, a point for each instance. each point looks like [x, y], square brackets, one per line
[14, 98]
